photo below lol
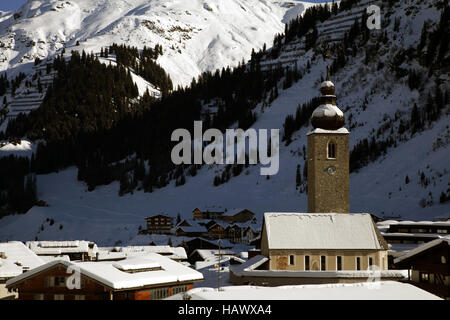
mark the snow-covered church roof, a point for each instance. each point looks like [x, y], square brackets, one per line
[321, 231]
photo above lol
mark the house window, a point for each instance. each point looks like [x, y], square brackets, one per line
[178, 289]
[38, 296]
[331, 150]
[358, 263]
[307, 263]
[160, 293]
[291, 259]
[60, 282]
[339, 263]
[424, 277]
[58, 297]
[441, 231]
[323, 263]
[370, 262]
[443, 260]
[80, 297]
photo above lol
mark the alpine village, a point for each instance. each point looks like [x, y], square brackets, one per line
[93, 205]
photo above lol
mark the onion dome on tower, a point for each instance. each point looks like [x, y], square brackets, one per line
[327, 116]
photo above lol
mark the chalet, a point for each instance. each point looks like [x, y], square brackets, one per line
[412, 232]
[15, 259]
[234, 233]
[429, 267]
[218, 230]
[151, 277]
[207, 259]
[238, 215]
[200, 243]
[80, 250]
[243, 232]
[403, 236]
[193, 229]
[200, 214]
[160, 224]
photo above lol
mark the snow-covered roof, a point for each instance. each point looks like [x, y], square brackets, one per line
[248, 224]
[320, 130]
[422, 248]
[24, 149]
[17, 259]
[320, 231]
[168, 251]
[61, 247]
[136, 264]
[110, 274]
[412, 234]
[193, 229]
[223, 224]
[46, 259]
[233, 212]
[383, 290]
[327, 84]
[327, 110]
[206, 254]
[414, 223]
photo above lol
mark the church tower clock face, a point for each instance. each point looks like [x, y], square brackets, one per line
[331, 170]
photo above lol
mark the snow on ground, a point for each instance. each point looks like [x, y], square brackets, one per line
[384, 290]
[23, 149]
[379, 188]
[196, 35]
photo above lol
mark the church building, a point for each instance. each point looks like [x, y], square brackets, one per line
[336, 245]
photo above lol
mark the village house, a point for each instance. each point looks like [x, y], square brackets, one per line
[76, 250]
[428, 266]
[201, 214]
[413, 232]
[15, 259]
[175, 253]
[149, 277]
[403, 236]
[218, 230]
[197, 243]
[238, 215]
[159, 223]
[193, 230]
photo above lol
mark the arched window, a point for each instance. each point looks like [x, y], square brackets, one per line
[331, 150]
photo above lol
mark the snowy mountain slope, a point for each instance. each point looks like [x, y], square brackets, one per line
[379, 188]
[196, 35]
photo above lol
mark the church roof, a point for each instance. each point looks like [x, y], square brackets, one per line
[327, 116]
[321, 231]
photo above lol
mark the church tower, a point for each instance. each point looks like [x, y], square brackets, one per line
[328, 156]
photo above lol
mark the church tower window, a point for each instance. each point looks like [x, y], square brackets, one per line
[331, 150]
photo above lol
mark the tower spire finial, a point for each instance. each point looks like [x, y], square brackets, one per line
[328, 73]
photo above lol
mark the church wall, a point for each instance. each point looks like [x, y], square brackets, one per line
[280, 260]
